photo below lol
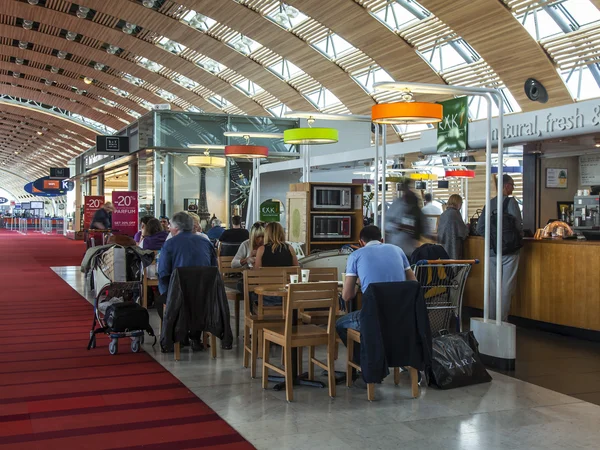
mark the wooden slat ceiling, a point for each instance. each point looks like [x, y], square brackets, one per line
[509, 54]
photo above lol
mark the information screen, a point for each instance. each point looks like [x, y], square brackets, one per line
[52, 184]
[25, 205]
[37, 205]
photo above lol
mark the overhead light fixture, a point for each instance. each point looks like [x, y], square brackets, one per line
[19, 61]
[27, 24]
[400, 113]
[17, 74]
[460, 173]
[207, 146]
[33, 2]
[246, 151]
[112, 49]
[82, 12]
[54, 69]
[61, 54]
[71, 36]
[98, 66]
[597, 142]
[48, 82]
[23, 45]
[206, 161]
[423, 176]
[88, 80]
[129, 28]
[310, 136]
[253, 134]
[149, 3]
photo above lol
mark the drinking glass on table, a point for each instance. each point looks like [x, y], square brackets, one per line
[305, 274]
[293, 279]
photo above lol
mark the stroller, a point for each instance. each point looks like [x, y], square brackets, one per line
[130, 322]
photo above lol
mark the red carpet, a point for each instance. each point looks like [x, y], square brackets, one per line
[55, 394]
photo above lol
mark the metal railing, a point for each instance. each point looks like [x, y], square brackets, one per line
[46, 226]
[23, 226]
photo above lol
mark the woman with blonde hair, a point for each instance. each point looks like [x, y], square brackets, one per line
[276, 252]
[246, 254]
[452, 230]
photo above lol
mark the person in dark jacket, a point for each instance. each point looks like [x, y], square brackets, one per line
[185, 249]
[153, 236]
[452, 230]
[236, 234]
[102, 219]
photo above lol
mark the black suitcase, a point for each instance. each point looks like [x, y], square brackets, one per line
[126, 316]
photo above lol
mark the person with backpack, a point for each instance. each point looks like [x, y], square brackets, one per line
[404, 221]
[512, 236]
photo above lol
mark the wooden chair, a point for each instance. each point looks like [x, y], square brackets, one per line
[254, 323]
[290, 335]
[320, 274]
[354, 336]
[224, 263]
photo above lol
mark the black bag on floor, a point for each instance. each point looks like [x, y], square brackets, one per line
[456, 361]
[126, 316]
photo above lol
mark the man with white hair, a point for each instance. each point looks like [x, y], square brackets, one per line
[214, 234]
[184, 249]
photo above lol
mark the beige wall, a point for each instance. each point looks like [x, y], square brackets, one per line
[549, 196]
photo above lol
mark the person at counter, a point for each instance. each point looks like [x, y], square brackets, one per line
[452, 230]
[510, 261]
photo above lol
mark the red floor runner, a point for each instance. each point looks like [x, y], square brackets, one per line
[55, 394]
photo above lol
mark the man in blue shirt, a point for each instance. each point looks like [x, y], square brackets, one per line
[214, 234]
[184, 249]
[375, 262]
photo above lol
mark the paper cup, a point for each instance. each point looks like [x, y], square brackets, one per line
[305, 273]
[586, 192]
[579, 192]
[293, 279]
[343, 276]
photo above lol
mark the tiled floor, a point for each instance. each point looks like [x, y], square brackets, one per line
[504, 414]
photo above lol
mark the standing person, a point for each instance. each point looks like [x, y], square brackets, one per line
[216, 230]
[510, 260]
[138, 236]
[236, 234]
[404, 221]
[153, 236]
[102, 219]
[374, 262]
[452, 230]
[185, 249]
[246, 254]
[429, 208]
[164, 221]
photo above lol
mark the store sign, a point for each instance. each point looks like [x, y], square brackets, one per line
[125, 216]
[91, 204]
[112, 145]
[452, 130]
[59, 172]
[589, 170]
[3, 200]
[556, 178]
[31, 189]
[48, 185]
[270, 211]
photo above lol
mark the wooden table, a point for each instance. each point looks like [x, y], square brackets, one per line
[147, 282]
[280, 290]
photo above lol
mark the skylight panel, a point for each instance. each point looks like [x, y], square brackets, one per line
[372, 76]
[396, 17]
[279, 110]
[244, 44]
[334, 46]
[198, 21]
[147, 64]
[210, 65]
[171, 46]
[581, 83]
[323, 98]
[287, 16]
[249, 88]
[285, 69]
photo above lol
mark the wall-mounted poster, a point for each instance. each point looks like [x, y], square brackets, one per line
[556, 178]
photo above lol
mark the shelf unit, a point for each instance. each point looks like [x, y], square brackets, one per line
[299, 202]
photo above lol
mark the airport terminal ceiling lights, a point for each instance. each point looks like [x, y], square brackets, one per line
[399, 113]
[207, 161]
[460, 173]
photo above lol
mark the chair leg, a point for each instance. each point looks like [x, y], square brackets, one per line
[254, 351]
[213, 346]
[396, 376]
[265, 369]
[300, 371]
[177, 351]
[236, 307]
[259, 333]
[336, 350]
[414, 381]
[331, 369]
[311, 365]
[350, 350]
[289, 383]
[371, 391]
[246, 344]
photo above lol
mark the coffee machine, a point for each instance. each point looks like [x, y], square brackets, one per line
[586, 213]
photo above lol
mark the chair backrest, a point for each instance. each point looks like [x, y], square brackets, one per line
[227, 248]
[323, 274]
[311, 295]
[265, 276]
[224, 263]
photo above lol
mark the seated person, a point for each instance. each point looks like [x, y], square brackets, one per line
[215, 232]
[164, 221]
[197, 225]
[143, 221]
[375, 262]
[275, 253]
[153, 235]
[246, 254]
[185, 249]
[236, 234]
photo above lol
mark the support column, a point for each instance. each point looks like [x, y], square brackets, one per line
[132, 181]
[168, 185]
[100, 185]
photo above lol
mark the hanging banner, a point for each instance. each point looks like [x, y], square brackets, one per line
[452, 130]
[91, 204]
[125, 217]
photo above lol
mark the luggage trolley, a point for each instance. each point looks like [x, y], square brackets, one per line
[443, 283]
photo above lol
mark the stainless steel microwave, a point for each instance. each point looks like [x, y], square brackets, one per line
[331, 227]
[330, 197]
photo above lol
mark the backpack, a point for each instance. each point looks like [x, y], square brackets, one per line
[511, 237]
[126, 316]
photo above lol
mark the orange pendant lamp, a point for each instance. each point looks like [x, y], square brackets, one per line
[460, 173]
[246, 150]
[406, 113]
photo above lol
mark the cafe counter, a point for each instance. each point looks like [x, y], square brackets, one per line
[558, 281]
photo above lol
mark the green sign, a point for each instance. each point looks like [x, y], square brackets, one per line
[452, 130]
[270, 211]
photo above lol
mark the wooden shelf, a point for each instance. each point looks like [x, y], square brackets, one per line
[330, 213]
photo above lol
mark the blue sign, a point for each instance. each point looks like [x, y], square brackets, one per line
[31, 190]
[3, 200]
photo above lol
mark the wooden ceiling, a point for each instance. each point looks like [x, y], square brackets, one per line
[31, 67]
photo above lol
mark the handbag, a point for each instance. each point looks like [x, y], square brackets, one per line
[456, 361]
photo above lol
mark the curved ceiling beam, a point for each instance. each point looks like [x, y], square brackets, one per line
[289, 46]
[61, 102]
[206, 45]
[138, 47]
[47, 59]
[97, 55]
[16, 133]
[68, 81]
[491, 29]
[386, 48]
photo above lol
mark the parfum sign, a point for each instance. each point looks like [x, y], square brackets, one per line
[562, 121]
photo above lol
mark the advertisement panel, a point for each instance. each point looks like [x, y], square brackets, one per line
[91, 204]
[125, 217]
[452, 130]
